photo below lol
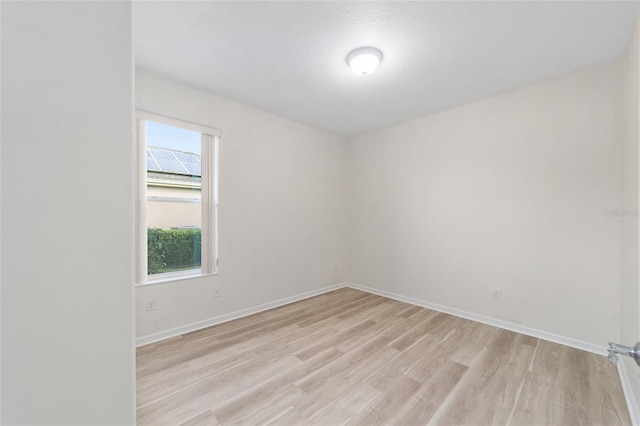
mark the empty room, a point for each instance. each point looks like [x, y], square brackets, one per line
[319, 213]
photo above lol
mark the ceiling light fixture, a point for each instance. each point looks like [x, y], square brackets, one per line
[364, 60]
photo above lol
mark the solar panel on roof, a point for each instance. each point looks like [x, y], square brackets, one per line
[187, 157]
[194, 169]
[152, 165]
[162, 154]
[171, 161]
[172, 167]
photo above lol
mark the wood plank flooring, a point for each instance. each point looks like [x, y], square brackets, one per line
[353, 358]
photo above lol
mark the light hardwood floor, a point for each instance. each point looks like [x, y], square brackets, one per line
[349, 357]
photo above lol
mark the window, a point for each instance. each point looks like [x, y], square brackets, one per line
[177, 199]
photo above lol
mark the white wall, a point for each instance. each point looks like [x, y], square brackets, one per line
[508, 192]
[629, 285]
[282, 209]
[67, 206]
[0, 212]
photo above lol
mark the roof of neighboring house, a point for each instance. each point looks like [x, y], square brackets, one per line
[164, 160]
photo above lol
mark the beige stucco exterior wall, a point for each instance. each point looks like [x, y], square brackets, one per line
[167, 214]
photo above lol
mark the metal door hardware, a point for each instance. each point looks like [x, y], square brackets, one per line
[615, 349]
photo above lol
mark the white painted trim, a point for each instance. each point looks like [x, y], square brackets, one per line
[170, 121]
[156, 337]
[209, 175]
[518, 328]
[140, 205]
[629, 395]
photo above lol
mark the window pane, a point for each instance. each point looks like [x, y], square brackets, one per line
[174, 213]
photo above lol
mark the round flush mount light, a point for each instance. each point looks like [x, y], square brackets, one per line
[364, 60]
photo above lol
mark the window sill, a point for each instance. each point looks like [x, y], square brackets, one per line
[171, 277]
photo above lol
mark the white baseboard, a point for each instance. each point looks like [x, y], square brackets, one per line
[629, 394]
[162, 335]
[518, 328]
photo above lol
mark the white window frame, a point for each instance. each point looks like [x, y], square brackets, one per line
[209, 193]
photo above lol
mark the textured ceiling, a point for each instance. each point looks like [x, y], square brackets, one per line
[288, 58]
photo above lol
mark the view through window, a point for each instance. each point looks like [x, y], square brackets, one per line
[174, 196]
[177, 199]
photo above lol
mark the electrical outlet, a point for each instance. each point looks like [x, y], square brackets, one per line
[496, 294]
[151, 305]
[217, 292]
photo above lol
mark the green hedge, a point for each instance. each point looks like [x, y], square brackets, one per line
[172, 249]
